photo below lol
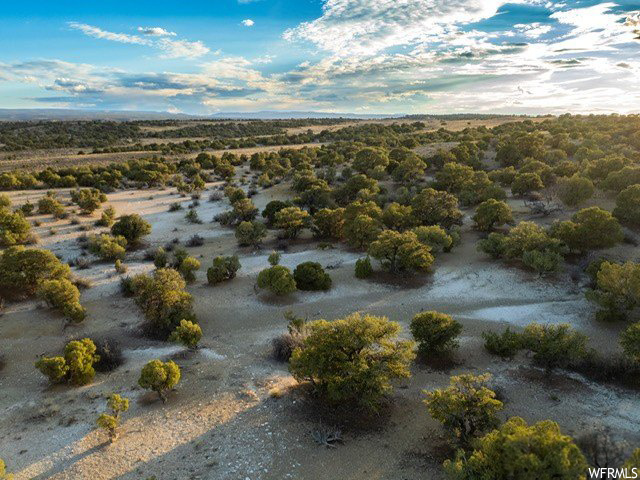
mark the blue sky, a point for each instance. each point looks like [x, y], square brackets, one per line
[364, 56]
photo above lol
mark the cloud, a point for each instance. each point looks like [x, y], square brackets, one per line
[247, 22]
[171, 48]
[156, 31]
[103, 34]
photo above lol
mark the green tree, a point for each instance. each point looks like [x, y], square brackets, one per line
[111, 420]
[435, 237]
[76, 365]
[505, 345]
[107, 218]
[160, 377]
[277, 279]
[223, 268]
[14, 228]
[251, 233]
[188, 267]
[292, 220]
[187, 333]
[23, 269]
[353, 359]
[131, 227]
[108, 247]
[273, 207]
[617, 289]
[311, 276]
[467, 408]
[435, 332]
[369, 158]
[525, 183]
[398, 217]
[329, 223]
[630, 341]
[590, 228]
[554, 346]
[88, 199]
[401, 252]
[432, 207]
[518, 451]
[627, 208]
[49, 204]
[575, 190]
[64, 296]
[492, 213]
[363, 268]
[361, 231]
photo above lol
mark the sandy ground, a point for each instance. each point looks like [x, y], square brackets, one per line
[236, 413]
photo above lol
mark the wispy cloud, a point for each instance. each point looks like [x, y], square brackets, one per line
[97, 32]
[156, 31]
[247, 22]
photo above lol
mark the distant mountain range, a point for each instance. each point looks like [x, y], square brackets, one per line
[24, 114]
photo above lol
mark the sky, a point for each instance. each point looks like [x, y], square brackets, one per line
[344, 56]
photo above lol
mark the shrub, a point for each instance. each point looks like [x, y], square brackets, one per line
[14, 228]
[542, 262]
[110, 421]
[22, 270]
[250, 233]
[633, 461]
[108, 247]
[277, 279]
[617, 289]
[398, 217]
[525, 183]
[192, 217]
[159, 377]
[292, 220]
[120, 267]
[435, 332]
[3, 471]
[49, 205]
[224, 268]
[371, 356]
[435, 237]
[132, 227]
[505, 345]
[284, 345]
[273, 207]
[401, 252]
[492, 213]
[187, 333]
[363, 268]
[27, 208]
[590, 228]
[88, 199]
[431, 207]
[274, 258]
[575, 190]
[554, 346]
[64, 296]
[467, 408]
[311, 276]
[163, 299]
[160, 258]
[5, 201]
[76, 365]
[630, 341]
[188, 267]
[175, 207]
[516, 450]
[328, 223]
[627, 208]
[107, 218]
[361, 230]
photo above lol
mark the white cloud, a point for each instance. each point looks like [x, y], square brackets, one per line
[96, 32]
[182, 48]
[247, 22]
[156, 31]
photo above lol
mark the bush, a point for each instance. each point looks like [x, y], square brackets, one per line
[132, 227]
[431, 207]
[3, 471]
[76, 365]
[250, 233]
[575, 190]
[363, 268]
[435, 332]
[274, 258]
[589, 229]
[188, 267]
[163, 299]
[311, 276]
[284, 345]
[292, 220]
[277, 279]
[328, 223]
[542, 262]
[22, 270]
[192, 217]
[492, 213]
[617, 289]
[49, 205]
[518, 451]
[14, 228]
[160, 259]
[399, 252]
[435, 237]
[64, 296]
[224, 268]
[187, 333]
[466, 409]
[554, 346]
[273, 207]
[110, 355]
[627, 208]
[630, 341]
[110, 421]
[88, 199]
[525, 183]
[159, 377]
[107, 218]
[371, 356]
[108, 247]
[505, 345]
